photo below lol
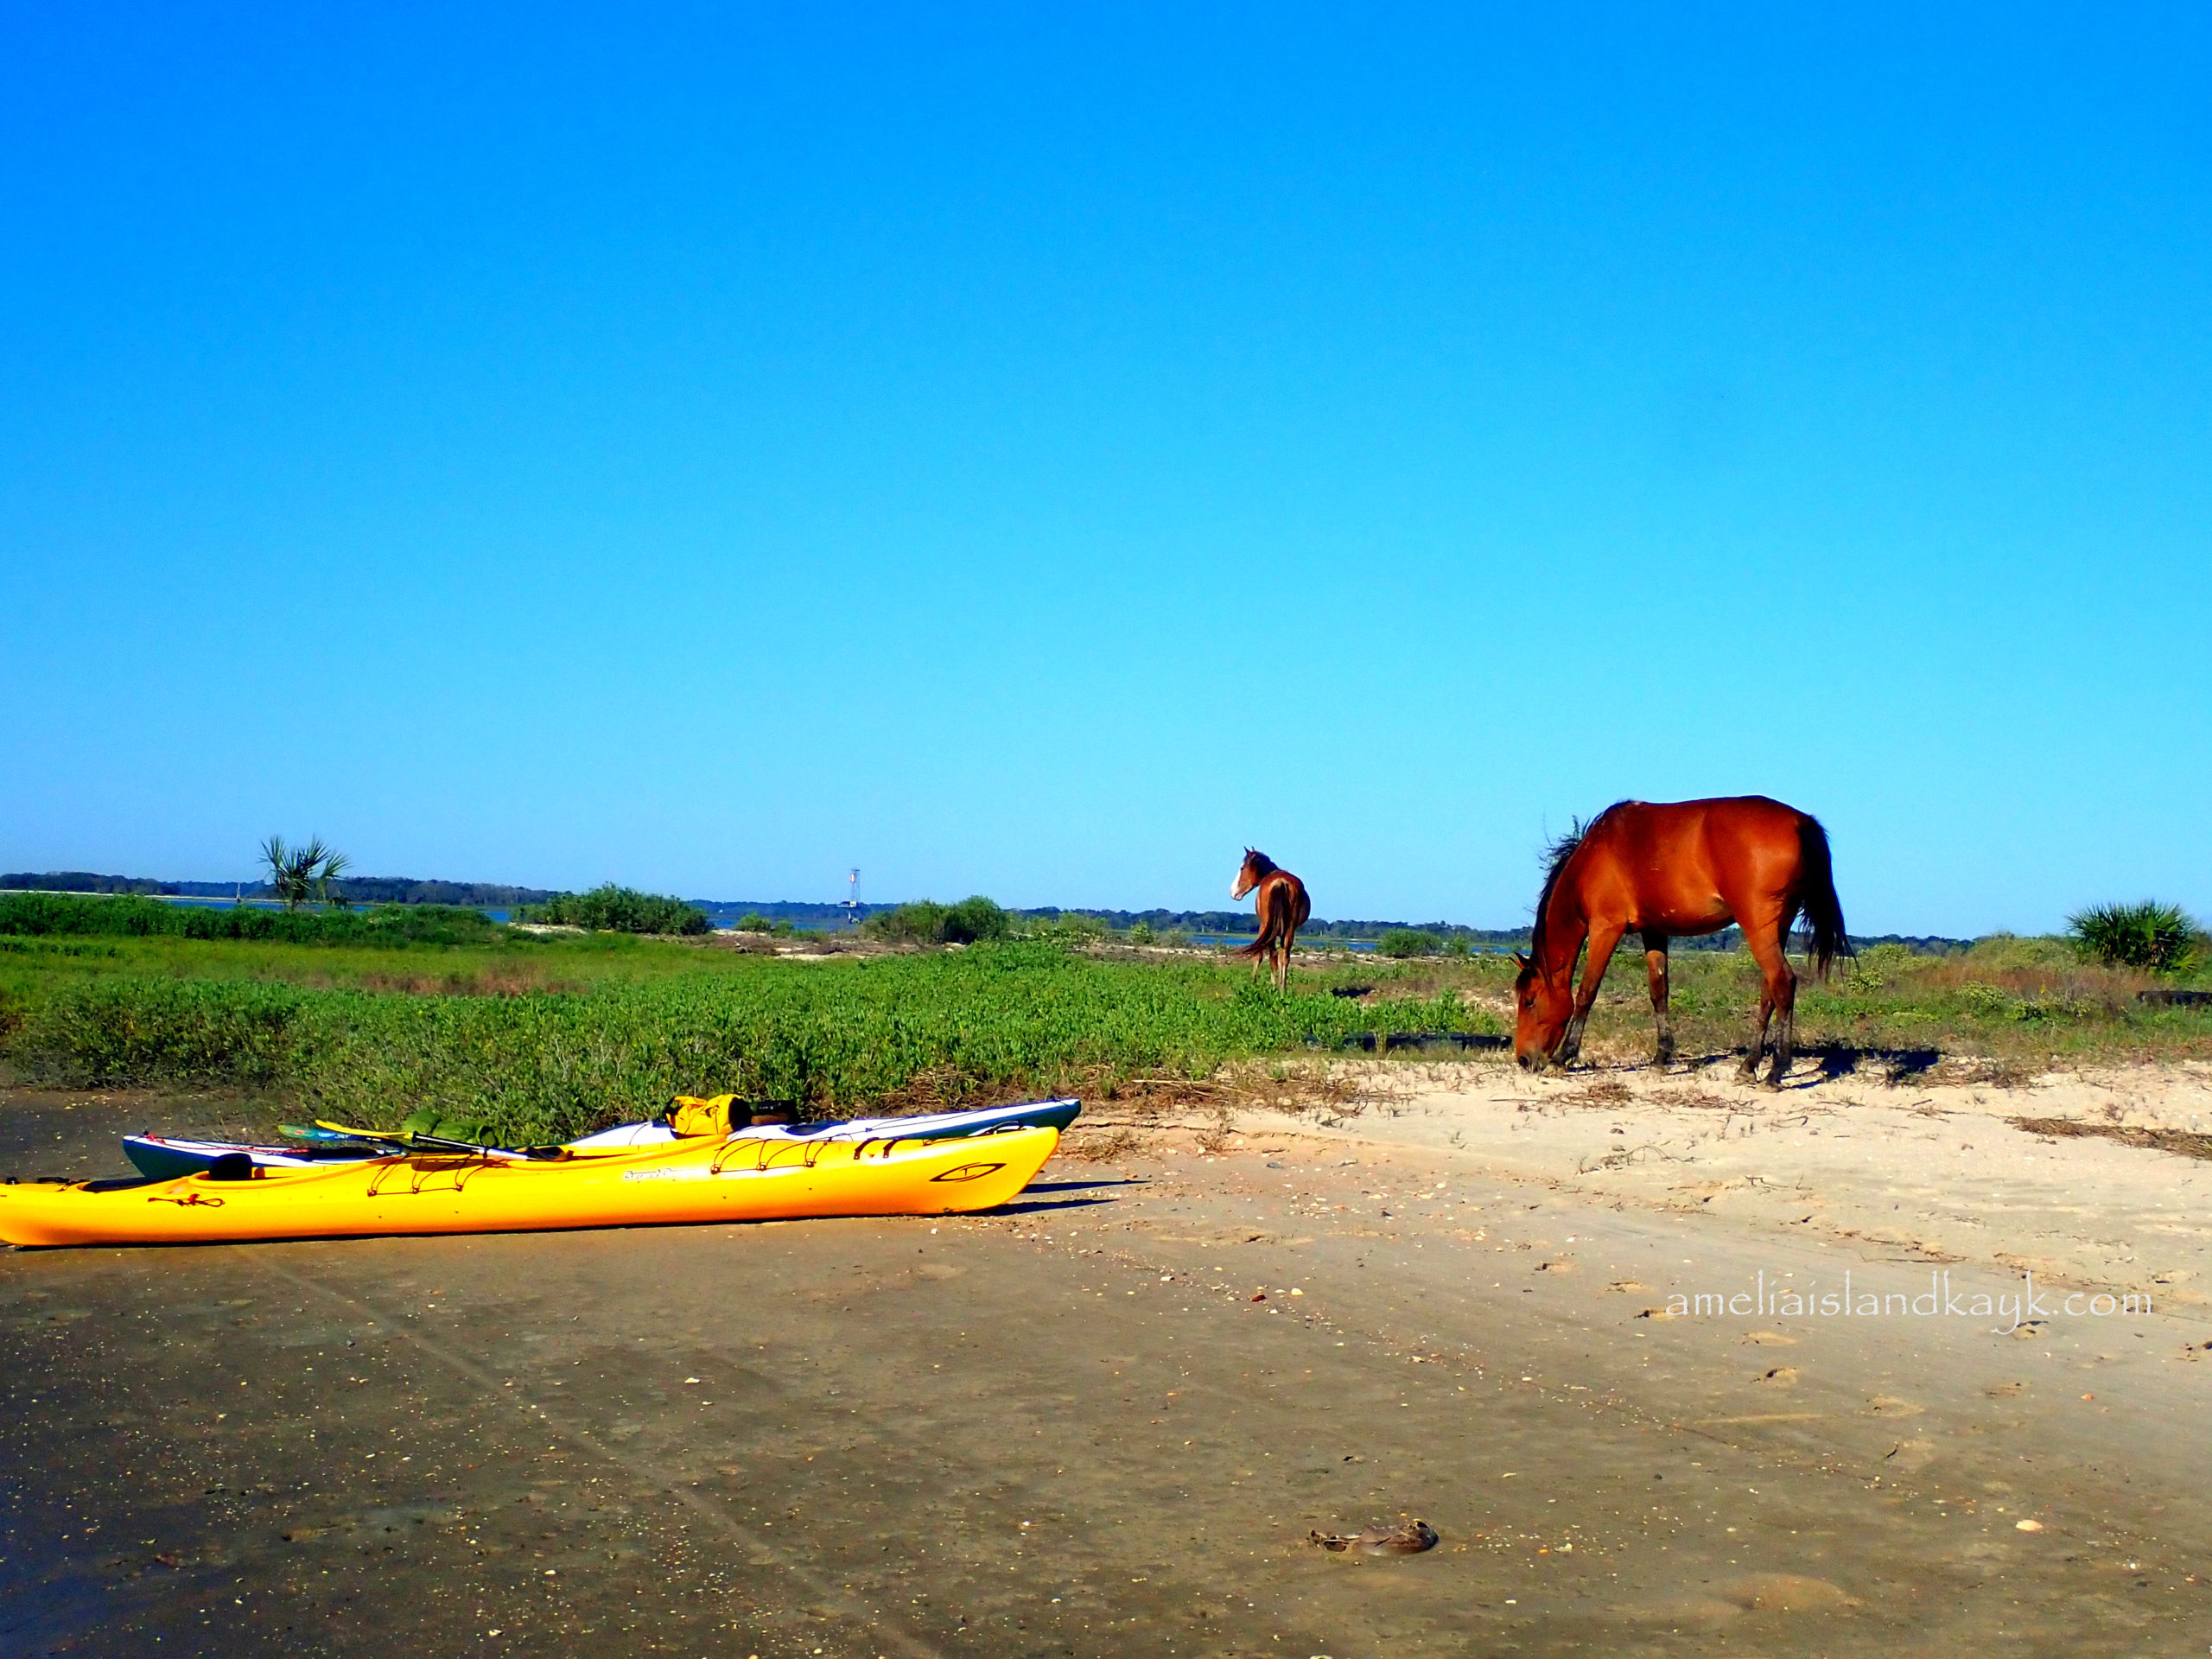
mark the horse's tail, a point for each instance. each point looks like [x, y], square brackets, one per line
[1274, 902]
[1816, 892]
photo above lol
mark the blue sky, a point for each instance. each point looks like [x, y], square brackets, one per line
[1040, 451]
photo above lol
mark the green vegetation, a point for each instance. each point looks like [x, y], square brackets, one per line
[2003, 1007]
[1065, 927]
[374, 1015]
[127, 916]
[617, 910]
[998, 1021]
[1404, 941]
[926, 922]
[2158, 938]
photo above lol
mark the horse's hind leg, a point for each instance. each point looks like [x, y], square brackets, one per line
[1750, 1071]
[1263, 960]
[1655, 970]
[1282, 967]
[1778, 995]
[1786, 1029]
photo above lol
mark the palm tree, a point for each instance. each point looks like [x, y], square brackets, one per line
[299, 873]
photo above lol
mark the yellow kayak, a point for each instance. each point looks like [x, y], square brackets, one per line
[682, 1181]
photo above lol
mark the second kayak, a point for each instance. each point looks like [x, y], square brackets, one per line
[168, 1156]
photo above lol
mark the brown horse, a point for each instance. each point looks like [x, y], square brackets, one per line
[1667, 870]
[1283, 908]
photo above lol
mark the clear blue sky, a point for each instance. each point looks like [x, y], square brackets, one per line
[1038, 452]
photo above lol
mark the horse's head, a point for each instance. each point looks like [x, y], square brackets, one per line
[1256, 864]
[1541, 1009]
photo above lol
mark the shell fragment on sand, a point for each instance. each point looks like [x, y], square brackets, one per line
[1409, 1539]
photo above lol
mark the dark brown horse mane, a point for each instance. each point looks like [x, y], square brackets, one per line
[1555, 857]
[1257, 861]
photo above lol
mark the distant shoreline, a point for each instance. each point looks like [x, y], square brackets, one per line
[1203, 926]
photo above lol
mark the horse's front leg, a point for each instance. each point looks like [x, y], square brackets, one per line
[1655, 970]
[1603, 938]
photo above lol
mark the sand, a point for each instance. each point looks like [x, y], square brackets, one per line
[1937, 1171]
[1105, 1422]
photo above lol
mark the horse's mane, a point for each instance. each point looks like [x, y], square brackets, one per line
[1555, 858]
[1256, 859]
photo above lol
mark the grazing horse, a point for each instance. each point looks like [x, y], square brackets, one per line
[1283, 908]
[1671, 869]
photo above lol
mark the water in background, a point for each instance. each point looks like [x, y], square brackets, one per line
[727, 920]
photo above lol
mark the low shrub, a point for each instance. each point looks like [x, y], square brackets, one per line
[129, 1030]
[1067, 929]
[2156, 938]
[1992, 1002]
[613, 909]
[128, 916]
[1405, 942]
[973, 920]
[910, 923]
[926, 922]
[1876, 966]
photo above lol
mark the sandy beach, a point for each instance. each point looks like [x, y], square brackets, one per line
[1105, 1422]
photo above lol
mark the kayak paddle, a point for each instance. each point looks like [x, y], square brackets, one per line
[417, 1139]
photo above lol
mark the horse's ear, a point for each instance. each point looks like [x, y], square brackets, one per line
[1520, 962]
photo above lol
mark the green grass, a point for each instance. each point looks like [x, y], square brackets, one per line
[330, 1030]
[542, 1038]
[494, 962]
[2021, 1004]
[46, 915]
